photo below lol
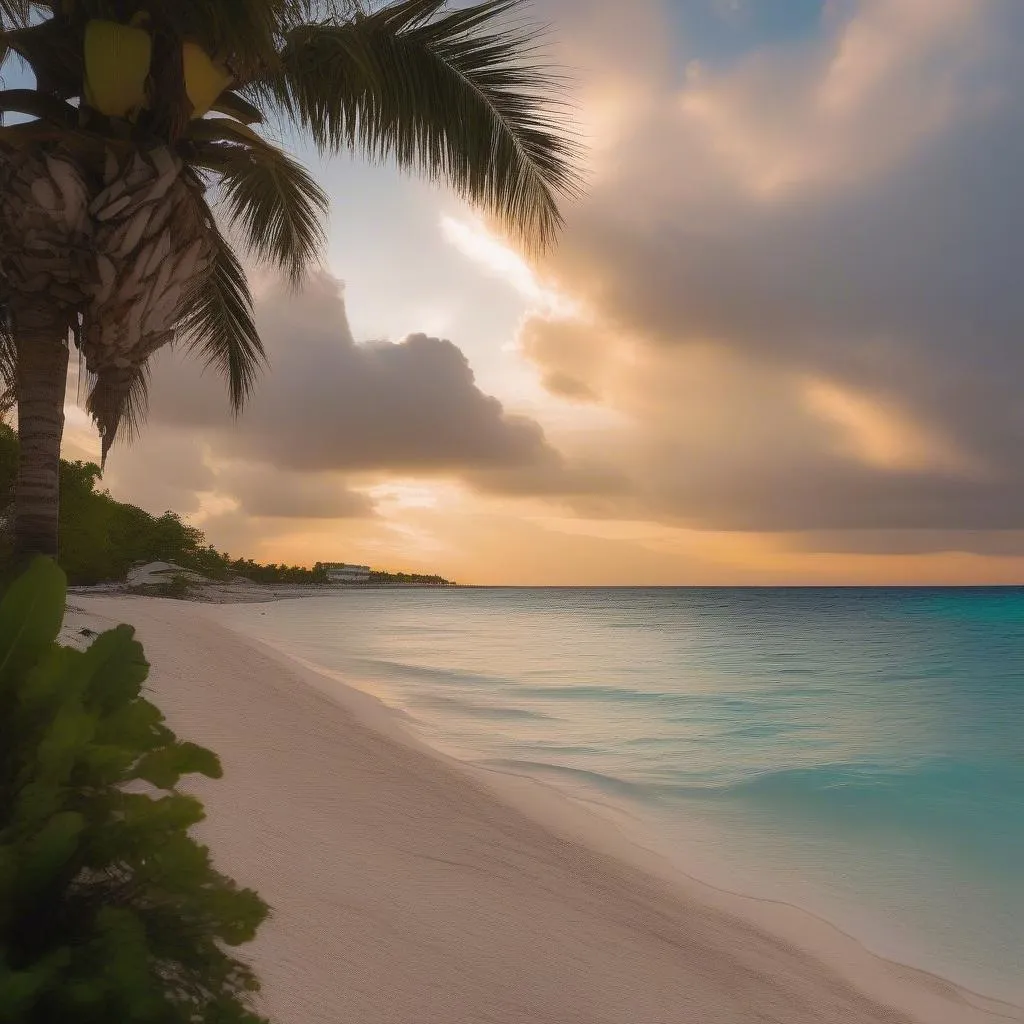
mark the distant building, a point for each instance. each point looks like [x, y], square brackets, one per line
[342, 572]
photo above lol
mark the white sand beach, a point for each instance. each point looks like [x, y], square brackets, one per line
[409, 888]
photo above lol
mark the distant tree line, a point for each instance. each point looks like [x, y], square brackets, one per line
[419, 579]
[101, 538]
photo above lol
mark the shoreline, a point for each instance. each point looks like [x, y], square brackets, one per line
[699, 953]
[214, 592]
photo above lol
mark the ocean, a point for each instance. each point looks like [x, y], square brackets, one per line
[856, 752]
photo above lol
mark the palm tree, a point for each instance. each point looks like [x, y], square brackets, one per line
[144, 112]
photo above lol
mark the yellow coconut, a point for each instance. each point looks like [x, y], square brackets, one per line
[116, 67]
[205, 79]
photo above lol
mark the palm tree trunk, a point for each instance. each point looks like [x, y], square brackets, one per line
[41, 336]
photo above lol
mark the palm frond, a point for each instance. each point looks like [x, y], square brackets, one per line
[272, 199]
[8, 364]
[460, 97]
[136, 404]
[242, 110]
[305, 12]
[14, 13]
[40, 105]
[53, 49]
[217, 322]
[118, 402]
[247, 30]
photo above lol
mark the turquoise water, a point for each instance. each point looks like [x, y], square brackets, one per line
[859, 752]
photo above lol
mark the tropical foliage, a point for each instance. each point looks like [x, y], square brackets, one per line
[101, 538]
[144, 112]
[109, 910]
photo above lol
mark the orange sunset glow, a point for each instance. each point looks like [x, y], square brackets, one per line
[773, 344]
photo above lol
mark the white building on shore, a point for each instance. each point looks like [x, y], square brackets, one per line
[343, 572]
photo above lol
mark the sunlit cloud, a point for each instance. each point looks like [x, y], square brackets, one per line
[213, 504]
[894, 74]
[432, 320]
[882, 436]
[395, 496]
[472, 238]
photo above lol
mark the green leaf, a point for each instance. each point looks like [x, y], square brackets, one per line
[180, 864]
[30, 615]
[20, 989]
[115, 668]
[112, 910]
[237, 914]
[47, 685]
[164, 767]
[69, 732]
[48, 852]
[124, 952]
[136, 727]
[8, 879]
[147, 816]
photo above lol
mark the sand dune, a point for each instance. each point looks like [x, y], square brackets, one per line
[406, 889]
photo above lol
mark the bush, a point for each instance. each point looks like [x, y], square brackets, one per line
[109, 910]
[177, 586]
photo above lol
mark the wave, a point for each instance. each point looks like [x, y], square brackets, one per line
[781, 698]
[401, 669]
[474, 709]
[606, 783]
[605, 693]
[911, 787]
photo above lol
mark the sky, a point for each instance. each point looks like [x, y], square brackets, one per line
[779, 341]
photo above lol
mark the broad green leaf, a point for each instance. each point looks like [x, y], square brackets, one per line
[115, 667]
[136, 727]
[48, 686]
[164, 767]
[126, 963]
[64, 742]
[142, 814]
[49, 851]
[31, 614]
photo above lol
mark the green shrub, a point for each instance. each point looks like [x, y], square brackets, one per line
[177, 586]
[109, 910]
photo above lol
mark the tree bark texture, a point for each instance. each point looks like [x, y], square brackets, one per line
[41, 336]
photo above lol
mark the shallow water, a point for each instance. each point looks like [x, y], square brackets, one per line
[859, 752]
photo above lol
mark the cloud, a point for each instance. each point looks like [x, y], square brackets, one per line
[566, 350]
[327, 418]
[788, 310]
[328, 404]
[162, 470]
[801, 275]
[268, 492]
